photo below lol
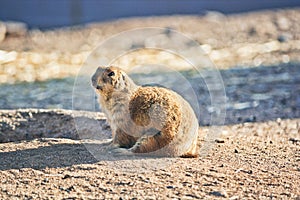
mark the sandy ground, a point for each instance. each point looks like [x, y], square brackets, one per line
[251, 160]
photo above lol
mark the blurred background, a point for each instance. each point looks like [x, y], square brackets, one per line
[49, 14]
[255, 45]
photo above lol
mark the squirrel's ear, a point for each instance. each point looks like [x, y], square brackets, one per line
[102, 68]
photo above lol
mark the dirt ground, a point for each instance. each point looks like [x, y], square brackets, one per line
[251, 160]
[244, 161]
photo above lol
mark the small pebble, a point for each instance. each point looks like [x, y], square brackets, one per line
[294, 140]
[217, 194]
[188, 174]
[250, 119]
[66, 176]
[46, 180]
[170, 187]
[282, 38]
[219, 140]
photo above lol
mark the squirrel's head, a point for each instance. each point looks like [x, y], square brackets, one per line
[107, 80]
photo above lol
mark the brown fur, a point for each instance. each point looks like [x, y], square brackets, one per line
[145, 119]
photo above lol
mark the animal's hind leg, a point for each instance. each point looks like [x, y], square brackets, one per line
[123, 140]
[147, 144]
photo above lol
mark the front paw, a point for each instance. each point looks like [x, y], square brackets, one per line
[121, 152]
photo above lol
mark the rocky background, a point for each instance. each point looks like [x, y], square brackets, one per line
[252, 39]
[255, 156]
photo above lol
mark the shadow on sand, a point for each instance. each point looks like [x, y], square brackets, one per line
[53, 156]
[61, 155]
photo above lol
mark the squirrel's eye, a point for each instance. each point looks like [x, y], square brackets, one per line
[111, 74]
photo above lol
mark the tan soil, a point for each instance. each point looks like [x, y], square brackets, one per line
[252, 160]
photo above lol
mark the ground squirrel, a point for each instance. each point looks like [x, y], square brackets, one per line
[145, 119]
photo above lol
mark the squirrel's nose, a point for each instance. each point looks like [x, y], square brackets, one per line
[98, 87]
[95, 77]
